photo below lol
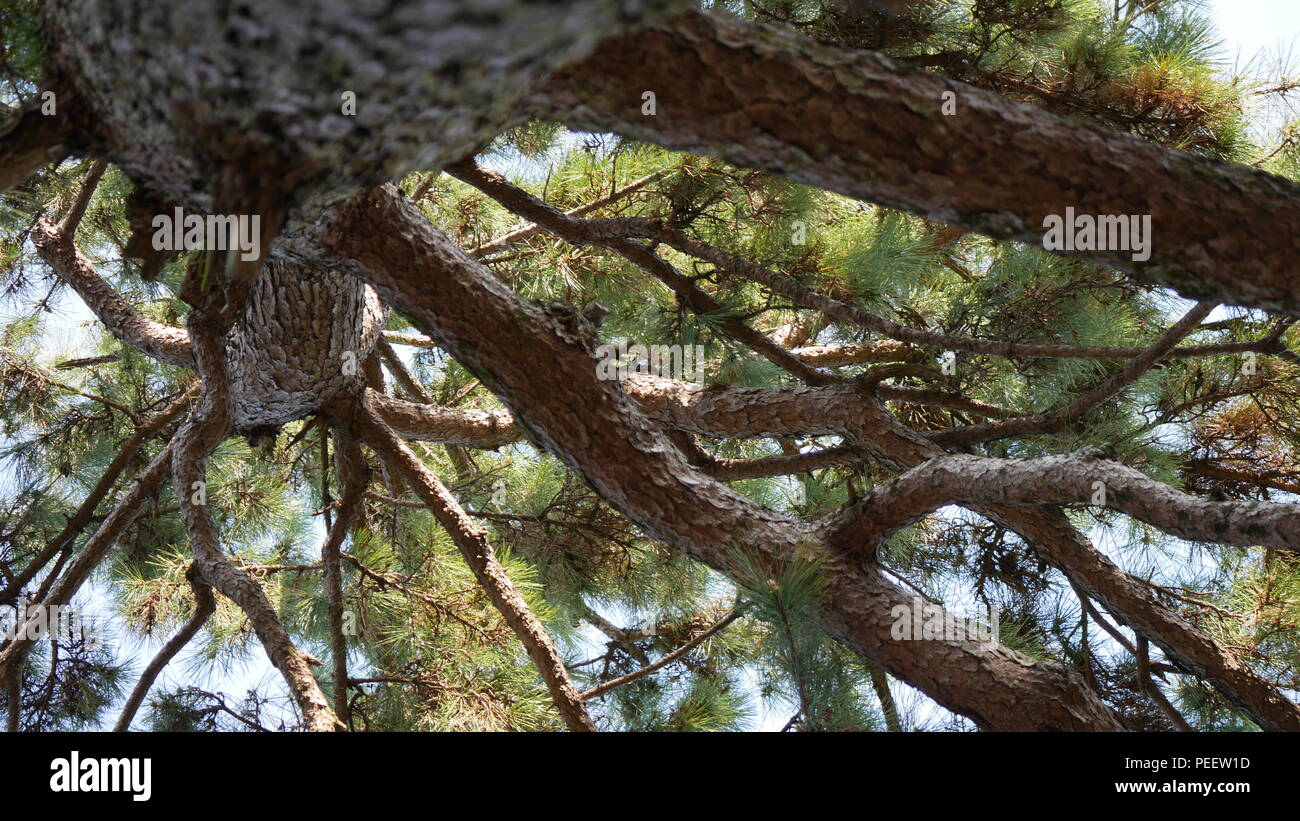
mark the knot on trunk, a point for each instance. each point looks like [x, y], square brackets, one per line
[302, 343]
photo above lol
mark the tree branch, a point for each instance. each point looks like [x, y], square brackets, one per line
[195, 442]
[668, 658]
[979, 481]
[163, 342]
[543, 369]
[801, 294]
[612, 234]
[33, 141]
[1058, 419]
[86, 511]
[529, 231]
[204, 606]
[859, 124]
[481, 558]
[110, 530]
[354, 478]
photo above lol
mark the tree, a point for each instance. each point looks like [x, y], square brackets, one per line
[744, 411]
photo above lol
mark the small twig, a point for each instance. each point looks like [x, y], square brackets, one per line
[720, 625]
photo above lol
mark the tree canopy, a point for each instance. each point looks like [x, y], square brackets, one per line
[643, 366]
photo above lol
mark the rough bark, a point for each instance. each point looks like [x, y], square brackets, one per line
[481, 558]
[226, 122]
[541, 367]
[1136, 604]
[195, 442]
[847, 411]
[860, 124]
[302, 339]
[1068, 479]
[120, 317]
[302, 343]
[354, 478]
[251, 95]
[434, 423]
[32, 140]
[493, 429]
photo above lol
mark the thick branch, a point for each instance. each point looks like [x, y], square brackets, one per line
[481, 558]
[196, 441]
[859, 124]
[428, 81]
[730, 470]
[1077, 478]
[434, 423]
[543, 370]
[836, 356]
[1051, 533]
[171, 345]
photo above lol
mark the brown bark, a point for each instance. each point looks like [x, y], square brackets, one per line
[854, 123]
[880, 683]
[194, 445]
[481, 558]
[32, 141]
[859, 124]
[354, 478]
[1134, 603]
[844, 411]
[767, 412]
[258, 97]
[529, 231]
[835, 356]
[301, 342]
[1228, 474]
[975, 481]
[160, 341]
[831, 411]
[541, 366]
[434, 423]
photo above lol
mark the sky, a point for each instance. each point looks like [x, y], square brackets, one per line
[1251, 26]
[1257, 35]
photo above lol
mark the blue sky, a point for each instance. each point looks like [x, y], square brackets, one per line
[1249, 26]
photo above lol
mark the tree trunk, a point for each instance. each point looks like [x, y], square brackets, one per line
[302, 342]
[178, 90]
